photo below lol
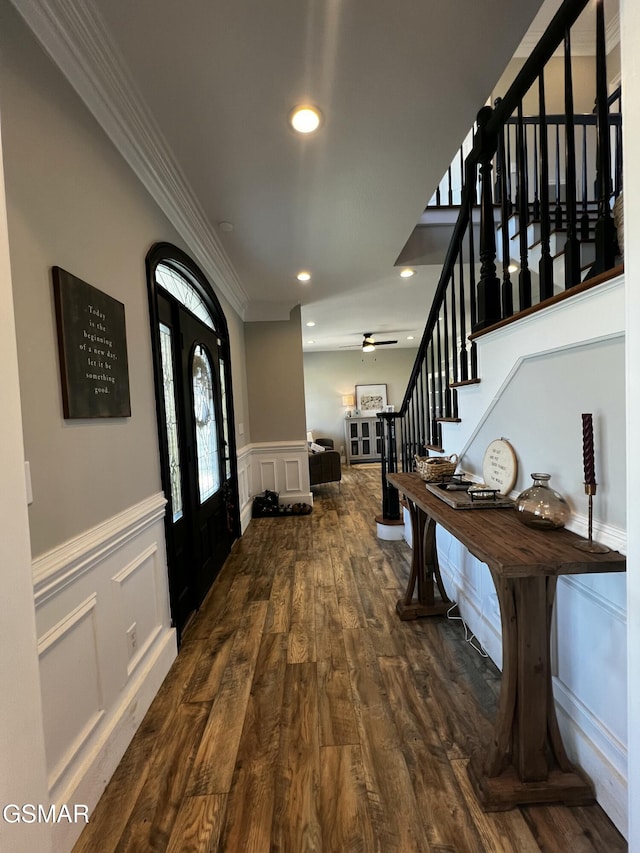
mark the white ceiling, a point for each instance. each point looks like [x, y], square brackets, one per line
[207, 86]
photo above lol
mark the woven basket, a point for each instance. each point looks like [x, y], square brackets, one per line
[435, 469]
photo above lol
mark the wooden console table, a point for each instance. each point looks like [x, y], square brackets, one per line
[526, 762]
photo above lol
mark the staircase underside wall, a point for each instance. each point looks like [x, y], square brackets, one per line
[537, 377]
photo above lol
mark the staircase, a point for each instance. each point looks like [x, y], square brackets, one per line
[527, 327]
[534, 226]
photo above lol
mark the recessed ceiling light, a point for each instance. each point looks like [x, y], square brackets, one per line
[310, 323]
[225, 226]
[303, 275]
[407, 273]
[513, 268]
[409, 337]
[305, 118]
[311, 342]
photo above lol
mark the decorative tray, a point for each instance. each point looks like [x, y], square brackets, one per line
[459, 497]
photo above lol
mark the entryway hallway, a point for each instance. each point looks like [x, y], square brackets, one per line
[302, 715]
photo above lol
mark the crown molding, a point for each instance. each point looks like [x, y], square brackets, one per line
[77, 40]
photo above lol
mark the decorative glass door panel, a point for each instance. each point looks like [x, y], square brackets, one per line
[225, 419]
[171, 421]
[204, 414]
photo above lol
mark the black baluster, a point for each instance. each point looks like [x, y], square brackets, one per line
[584, 219]
[414, 425]
[454, 331]
[461, 173]
[507, 286]
[488, 287]
[439, 357]
[472, 292]
[498, 194]
[474, 194]
[524, 278]
[572, 245]
[404, 449]
[558, 215]
[438, 197]
[605, 229]
[434, 396]
[450, 187]
[545, 268]
[420, 398]
[424, 406]
[445, 353]
[390, 496]
[618, 155]
[536, 199]
[507, 167]
[464, 358]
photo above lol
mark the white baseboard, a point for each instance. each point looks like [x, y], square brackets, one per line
[596, 751]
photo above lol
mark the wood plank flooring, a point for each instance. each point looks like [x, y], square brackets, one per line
[303, 715]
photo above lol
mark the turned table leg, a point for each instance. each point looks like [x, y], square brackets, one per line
[526, 762]
[425, 571]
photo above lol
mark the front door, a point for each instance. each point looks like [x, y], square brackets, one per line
[198, 474]
[206, 489]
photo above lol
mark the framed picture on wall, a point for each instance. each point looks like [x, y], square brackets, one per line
[92, 346]
[371, 399]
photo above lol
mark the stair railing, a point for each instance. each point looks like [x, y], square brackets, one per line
[537, 219]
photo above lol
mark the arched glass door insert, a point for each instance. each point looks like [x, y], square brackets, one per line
[195, 425]
[204, 411]
[177, 285]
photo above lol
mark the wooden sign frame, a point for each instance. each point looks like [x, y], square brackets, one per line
[92, 346]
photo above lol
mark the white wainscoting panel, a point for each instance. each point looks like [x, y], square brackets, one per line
[281, 467]
[70, 678]
[268, 475]
[96, 688]
[140, 602]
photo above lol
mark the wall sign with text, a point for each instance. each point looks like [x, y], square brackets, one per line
[92, 344]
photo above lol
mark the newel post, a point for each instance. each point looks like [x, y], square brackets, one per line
[488, 302]
[389, 457]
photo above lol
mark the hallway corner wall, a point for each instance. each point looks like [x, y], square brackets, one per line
[97, 599]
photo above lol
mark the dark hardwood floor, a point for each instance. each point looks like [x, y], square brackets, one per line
[302, 715]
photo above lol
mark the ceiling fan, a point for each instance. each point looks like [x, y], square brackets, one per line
[369, 343]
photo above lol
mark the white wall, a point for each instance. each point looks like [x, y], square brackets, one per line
[329, 375]
[630, 36]
[22, 756]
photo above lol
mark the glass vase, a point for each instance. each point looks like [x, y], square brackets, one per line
[540, 506]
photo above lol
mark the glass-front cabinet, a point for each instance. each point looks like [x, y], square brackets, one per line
[363, 439]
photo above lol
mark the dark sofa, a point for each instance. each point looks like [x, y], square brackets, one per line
[324, 467]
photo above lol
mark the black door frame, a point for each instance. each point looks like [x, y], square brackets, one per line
[172, 256]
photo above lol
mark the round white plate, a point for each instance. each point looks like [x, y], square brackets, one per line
[500, 466]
